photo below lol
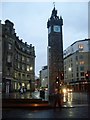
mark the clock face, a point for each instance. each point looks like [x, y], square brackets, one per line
[56, 28]
[49, 29]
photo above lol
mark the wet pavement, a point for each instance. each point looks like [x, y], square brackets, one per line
[77, 102]
[76, 112]
[26, 95]
[70, 97]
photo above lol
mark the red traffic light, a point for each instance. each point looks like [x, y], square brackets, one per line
[86, 76]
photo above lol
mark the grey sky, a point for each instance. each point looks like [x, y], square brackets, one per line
[30, 23]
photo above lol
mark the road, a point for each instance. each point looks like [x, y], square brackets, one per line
[80, 108]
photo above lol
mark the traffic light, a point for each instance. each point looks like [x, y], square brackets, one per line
[62, 76]
[57, 79]
[86, 76]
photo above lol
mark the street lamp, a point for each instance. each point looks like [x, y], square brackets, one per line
[57, 83]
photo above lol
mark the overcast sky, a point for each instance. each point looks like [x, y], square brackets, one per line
[30, 23]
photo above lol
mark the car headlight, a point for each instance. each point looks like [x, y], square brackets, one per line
[64, 90]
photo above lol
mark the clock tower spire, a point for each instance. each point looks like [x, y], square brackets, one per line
[54, 49]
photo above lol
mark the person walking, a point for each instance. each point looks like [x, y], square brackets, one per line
[42, 94]
[57, 98]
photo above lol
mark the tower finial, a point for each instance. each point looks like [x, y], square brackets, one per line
[54, 4]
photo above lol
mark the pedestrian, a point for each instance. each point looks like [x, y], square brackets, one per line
[42, 94]
[21, 90]
[57, 98]
[24, 89]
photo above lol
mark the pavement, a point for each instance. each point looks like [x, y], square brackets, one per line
[74, 112]
[22, 107]
[33, 100]
[35, 103]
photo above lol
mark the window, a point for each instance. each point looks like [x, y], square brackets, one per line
[23, 58]
[49, 29]
[77, 74]
[9, 46]
[82, 62]
[81, 46]
[81, 57]
[81, 68]
[72, 75]
[15, 75]
[77, 58]
[77, 79]
[71, 65]
[28, 67]
[19, 74]
[18, 65]
[76, 63]
[77, 68]
[23, 75]
[28, 76]
[19, 57]
[31, 68]
[82, 78]
[23, 49]
[23, 67]
[28, 50]
[9, 58]
[27, 59]
[64, 63]
[82, 73]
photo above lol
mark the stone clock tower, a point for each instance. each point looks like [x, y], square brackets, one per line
[54, 50]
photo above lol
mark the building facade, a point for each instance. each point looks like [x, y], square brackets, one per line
[76, 64]
[18, 61]
[55, 48]
[44, 76]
